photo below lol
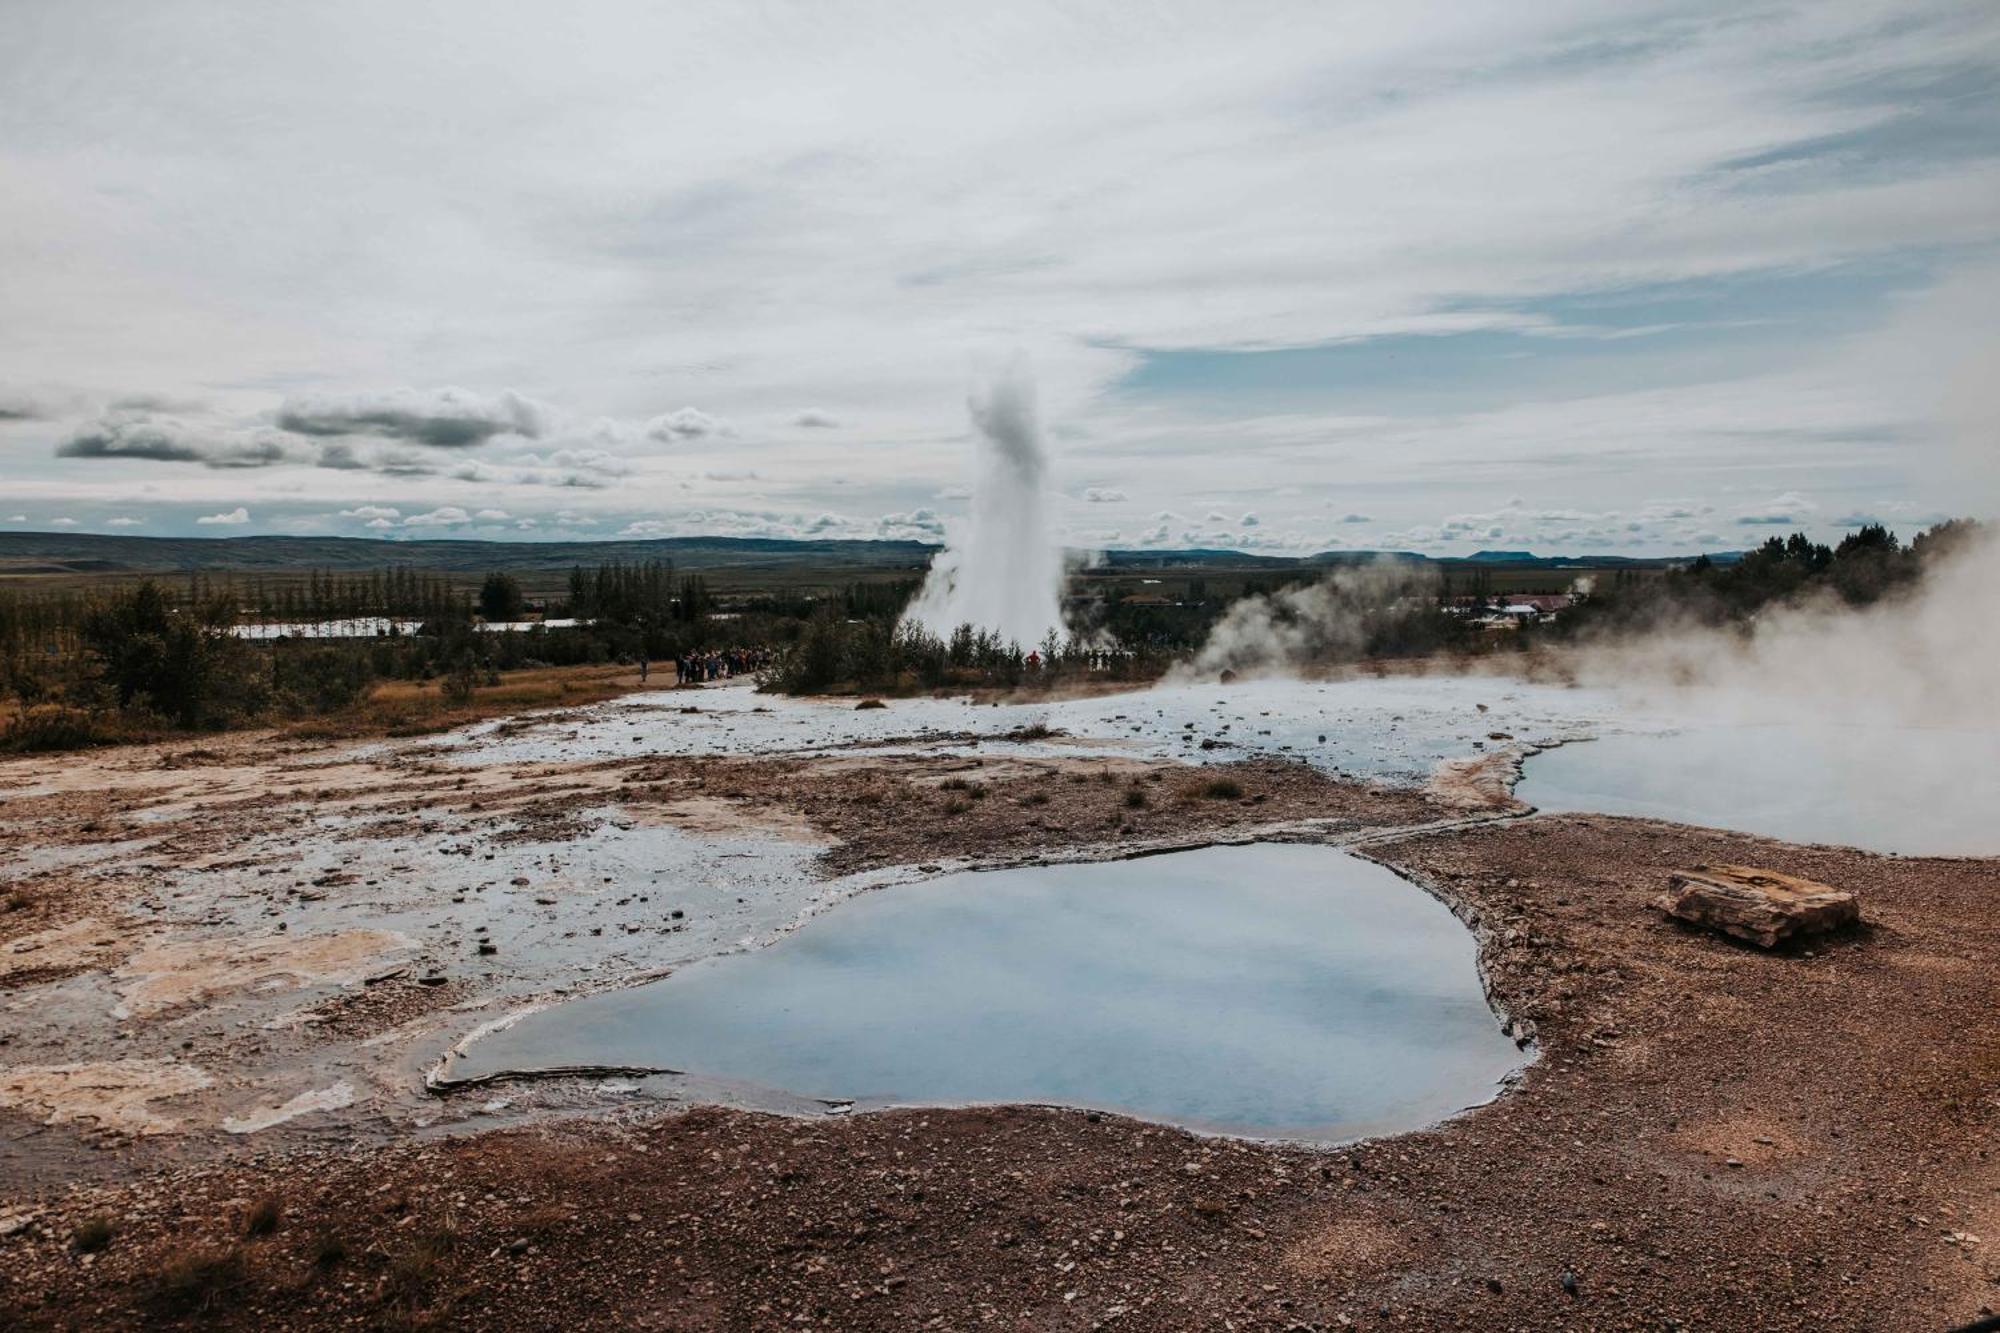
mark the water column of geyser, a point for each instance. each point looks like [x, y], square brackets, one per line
[1003, 571]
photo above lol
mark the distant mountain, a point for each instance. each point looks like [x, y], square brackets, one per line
[52, 552]
[26, 553]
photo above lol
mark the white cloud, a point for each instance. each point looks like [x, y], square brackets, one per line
[228, 518]
[916, 525]
[125, 435]
[444, 516]
[813, 418]
[122, 521]
[685, 423]
[17, 518]
[492, 515]
[372, 511]
[448, 418]
[62, 522]
[1103, 495]
[1791, 507]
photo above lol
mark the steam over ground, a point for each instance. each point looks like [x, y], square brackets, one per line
[1926, 656]
[1004, 572]
[1328, 621]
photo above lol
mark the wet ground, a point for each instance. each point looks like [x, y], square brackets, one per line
[226, 967]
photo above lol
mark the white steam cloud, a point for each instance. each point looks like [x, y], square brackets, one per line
[1004, 573]
[1319, 623]
[1924, 658]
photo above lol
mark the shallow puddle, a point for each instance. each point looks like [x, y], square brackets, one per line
[1913, 791]
[1273, 991]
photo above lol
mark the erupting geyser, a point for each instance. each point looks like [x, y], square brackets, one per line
[1003, 571]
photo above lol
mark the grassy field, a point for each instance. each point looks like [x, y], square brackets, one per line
[415, 708]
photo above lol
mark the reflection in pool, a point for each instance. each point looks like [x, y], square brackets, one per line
[1915, 791]
[1268, 990]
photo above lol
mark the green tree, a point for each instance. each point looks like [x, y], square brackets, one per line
[500, 598]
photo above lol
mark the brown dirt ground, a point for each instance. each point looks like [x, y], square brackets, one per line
[1714, 1137]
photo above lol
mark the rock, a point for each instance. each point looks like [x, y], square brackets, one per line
[1761, 906]
[1226, 677]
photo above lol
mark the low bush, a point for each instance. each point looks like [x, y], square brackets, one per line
[55, 727]
[263, 1217]
[91, 1235]
[197, 1283]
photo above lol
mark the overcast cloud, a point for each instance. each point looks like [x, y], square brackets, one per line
[1604, 274]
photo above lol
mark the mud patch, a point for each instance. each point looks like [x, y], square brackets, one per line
[1348, 1247]
[59, 951]
[1740, 1142]
[116, 1095]
[717, 817]
[166, 976]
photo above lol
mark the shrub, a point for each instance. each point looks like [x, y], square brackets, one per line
[461, 682]
[53, 727]
[263, 1217]
[196, 1283]
[1135, 798]
[320, 680]
[412, 1273]
[91, 1235]
[1222, 789]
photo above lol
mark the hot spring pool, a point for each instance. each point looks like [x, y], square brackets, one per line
[1909, 790]
[1270, 991]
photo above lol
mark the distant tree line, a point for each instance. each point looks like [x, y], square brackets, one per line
[220, 652]
[878, 655]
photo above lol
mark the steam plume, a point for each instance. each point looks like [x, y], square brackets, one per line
[1322, 623]
[1922, 658]
[1004, 572]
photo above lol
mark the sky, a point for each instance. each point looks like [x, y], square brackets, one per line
[1578, 276]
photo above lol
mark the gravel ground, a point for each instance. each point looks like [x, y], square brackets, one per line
[1713, 1137]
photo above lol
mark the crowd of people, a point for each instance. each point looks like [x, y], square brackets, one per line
[700, 668]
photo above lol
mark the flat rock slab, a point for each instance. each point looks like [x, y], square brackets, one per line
[1761, 906]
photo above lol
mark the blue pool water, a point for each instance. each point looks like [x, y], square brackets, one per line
[1913, 791]
[1267, 990]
